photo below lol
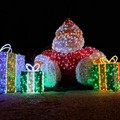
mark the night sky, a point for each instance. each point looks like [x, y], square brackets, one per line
[30, 26]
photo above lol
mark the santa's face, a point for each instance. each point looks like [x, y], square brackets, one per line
[69, 38]
[67, 44]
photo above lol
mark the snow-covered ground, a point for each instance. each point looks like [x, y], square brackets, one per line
[69, 105]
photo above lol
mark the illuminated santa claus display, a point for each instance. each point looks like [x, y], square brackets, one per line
[66, 52]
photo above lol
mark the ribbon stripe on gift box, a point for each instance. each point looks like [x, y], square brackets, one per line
[105, 74]
[11, 65]
[32, 80]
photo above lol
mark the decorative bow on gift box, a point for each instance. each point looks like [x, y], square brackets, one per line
[32, 80]
[104, 60]
[105, 74]
[34, 68]
[6, 47]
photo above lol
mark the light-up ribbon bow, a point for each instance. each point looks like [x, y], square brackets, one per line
[29, 67]
[114, 59]
[6, 46]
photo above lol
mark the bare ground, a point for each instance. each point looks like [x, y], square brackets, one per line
[69, 105]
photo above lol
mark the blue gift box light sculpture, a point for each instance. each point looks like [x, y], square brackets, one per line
[11, 65]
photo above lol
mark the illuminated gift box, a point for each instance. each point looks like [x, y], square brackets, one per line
[32, 80]
[105, 75]
[11, 65]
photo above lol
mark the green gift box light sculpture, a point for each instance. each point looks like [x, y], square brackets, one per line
[32, 80]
